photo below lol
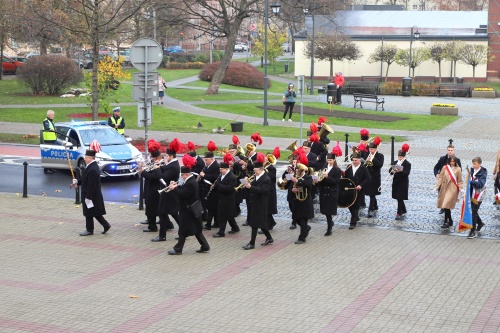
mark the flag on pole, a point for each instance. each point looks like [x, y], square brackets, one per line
[466, 213]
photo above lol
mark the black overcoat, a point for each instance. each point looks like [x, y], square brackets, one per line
[329, 192]
[169, 203]
[303, 209]
[362, 178]
[443, 160]
[374, 170]
[151, 186]
[198, 167]
[226, 196]
[312, 160]
[91, 189]
[400, 182]
[187, 194]
[257, 200]
[212, 172]
[319, 149]
[272, 205]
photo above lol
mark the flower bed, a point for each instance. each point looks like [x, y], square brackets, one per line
[483, 89]
[443, 105]
[444, 109]
[483, 93]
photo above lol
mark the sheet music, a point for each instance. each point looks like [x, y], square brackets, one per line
[244, 181]
[89, 203]
[288, 176]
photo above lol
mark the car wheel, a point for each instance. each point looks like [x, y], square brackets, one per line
[90, 65]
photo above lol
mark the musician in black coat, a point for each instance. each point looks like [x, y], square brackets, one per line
[329, 191]
[152, 184]
[237, 169]
[319, 149]
[188, 224]
[224, 187]
[257, 201]
[272, 205]
[169, 203]
[208, 176]
[374, 163]
[290, 170]
[90, 182]
[400, 182]
[302, 207]
[360, 176]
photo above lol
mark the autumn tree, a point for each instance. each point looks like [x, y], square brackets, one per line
[419, 55]
[437, 53]
[275, 39]
[384, 53]
[453, 53]
[330, 47]
[475, 55]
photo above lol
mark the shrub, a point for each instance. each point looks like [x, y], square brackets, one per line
[424, 89]
[186, 65]
[50, 74]
[201, 58]
[237, 74]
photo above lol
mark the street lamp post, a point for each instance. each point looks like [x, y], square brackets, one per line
[306, 10]
[276, 11]
[148, 15]
[412, 35]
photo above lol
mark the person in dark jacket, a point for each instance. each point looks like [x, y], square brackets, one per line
[374, 163]
[187, 194]
[208, 176]
[400, 183]
[329, 191]
[443, 160]
[117, 121]
[272, 204]
[289, 101]
[478, 178]
[93, 203]
[257, 201]
[152, 184]
[360, 176]
[302, 206]
[224, 187]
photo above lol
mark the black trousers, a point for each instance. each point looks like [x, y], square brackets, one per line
[373, 203]
[288, 106]
[339, 95]
[212, 214]
[201, 239]
[152, 222]
[401, 207]
[447, 215]
[166, 224]
[354, 215]
[89, 222]
[475, 215]
[329, 222]
[232, 224]
[304, 229]
[270, 221]
[254, 234]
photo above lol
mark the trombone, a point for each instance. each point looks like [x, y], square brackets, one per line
[167, 188]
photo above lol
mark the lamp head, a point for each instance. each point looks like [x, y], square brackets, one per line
[416, 34]
[276, 8]
[306, 10]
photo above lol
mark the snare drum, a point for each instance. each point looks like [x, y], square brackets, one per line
[347, 193]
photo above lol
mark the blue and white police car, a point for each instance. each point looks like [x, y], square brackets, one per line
[118, 156]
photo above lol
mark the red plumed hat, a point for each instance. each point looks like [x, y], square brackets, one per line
[337, 150]
[228, 158]
[313, 127]
[362, 147]
[377, 141]
[261, 158]
[314, 137]
[256, 138]
[175, 145]
[236, 140]
[303, 159]
[153, 146]
[299, 151]
[188, 161]
[276, 152]
[322, 120]
[211, 146]
[191, 146]
[364, 134]
[405, 147]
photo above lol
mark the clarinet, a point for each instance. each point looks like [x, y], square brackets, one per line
[212, 187]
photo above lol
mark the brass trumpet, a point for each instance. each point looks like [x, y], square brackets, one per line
[250, 180]
[168, 188]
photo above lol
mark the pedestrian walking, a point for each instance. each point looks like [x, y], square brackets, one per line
[478, 177]
[289, 101]
[162, 85]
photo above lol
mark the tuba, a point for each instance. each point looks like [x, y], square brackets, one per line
[271, 160]
[239, 151]
[301, 194]
[293, 147]
[250, 147]
[324, 131]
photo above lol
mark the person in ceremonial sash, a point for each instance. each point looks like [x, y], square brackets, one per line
[329, 188]
[443, 160]
[449, 184]
[478, 177]
[401, 169]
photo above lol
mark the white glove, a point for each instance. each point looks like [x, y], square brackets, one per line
[435, 191]
[75, 181]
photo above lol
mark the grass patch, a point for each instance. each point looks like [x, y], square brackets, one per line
[279, 67]
[250, 59]
[276, 87]
[18, 138]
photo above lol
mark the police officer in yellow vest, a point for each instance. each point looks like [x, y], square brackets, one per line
[49, 130]
[116, 121]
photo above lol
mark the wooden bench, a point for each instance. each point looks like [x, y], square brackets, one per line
[455, 89]
[425, 79]
[371, 78]
[369, 98]
[362, 87]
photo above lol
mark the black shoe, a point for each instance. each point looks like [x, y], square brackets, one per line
[300, 242]
[441, 211]
[328, 233]
[248, 247]
[371, 213]
[218, 235]
[480, 225]
[398, 217]
[472, 235]
[450, 223]
[149, 230]
[267, 242]
[174, 252]
[145, 222]
[207, 227]
[233, 231]
[245, 224]
[158, 239]
[445, 225]
[351, 227]
[86, 233]
[293, 226]
[202, 250]
[106, 228]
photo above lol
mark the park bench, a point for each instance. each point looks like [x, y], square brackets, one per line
[456, 89]
[425, 79]
[369, 98]
[362, 87]
[371, 78]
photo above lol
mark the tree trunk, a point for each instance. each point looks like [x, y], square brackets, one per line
[473, 74]
[387, 72]
[95, 62]
[455, 71]
[439, 67]
[43, 46]
[331, 68]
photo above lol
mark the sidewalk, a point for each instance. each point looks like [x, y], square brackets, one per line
[362, 280]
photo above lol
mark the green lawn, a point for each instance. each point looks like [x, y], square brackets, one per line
[276, 87]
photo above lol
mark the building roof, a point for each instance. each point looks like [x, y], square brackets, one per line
[397, 24]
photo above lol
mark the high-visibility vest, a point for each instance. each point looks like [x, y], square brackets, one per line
[49, 135]
[114, 121]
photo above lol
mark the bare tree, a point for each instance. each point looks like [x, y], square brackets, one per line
[453, 53]
[332, 47]
[419, 55]
[384, 53]
[474, 55]
[437, 53]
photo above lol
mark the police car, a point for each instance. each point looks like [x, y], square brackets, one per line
[117, 158]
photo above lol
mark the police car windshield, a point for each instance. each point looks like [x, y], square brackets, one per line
[105, 137]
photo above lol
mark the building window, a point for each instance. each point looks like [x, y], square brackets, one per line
[415, 7]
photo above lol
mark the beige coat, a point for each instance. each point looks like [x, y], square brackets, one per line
[448, 193]
[497, 164]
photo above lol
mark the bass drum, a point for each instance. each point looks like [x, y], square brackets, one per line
[347, 193]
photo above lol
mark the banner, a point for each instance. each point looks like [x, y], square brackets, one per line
[466, 213]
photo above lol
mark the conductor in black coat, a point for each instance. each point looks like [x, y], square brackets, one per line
[188, 224]
[208, 176]
[257, 201]
[360, 176]
[329, 191]
[302, 206]
[90, 182]
[224, 187]
[374, 163]
[400, 182]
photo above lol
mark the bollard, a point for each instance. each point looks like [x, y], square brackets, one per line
[450, 141]
[25, 182]
[392, 148]
[141, 193]
[346, 147]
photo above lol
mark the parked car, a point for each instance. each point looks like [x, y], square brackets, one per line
[9, 65]
[240, 47]
[32, 54]
[20, 59]
[175, 49]
[118, 157]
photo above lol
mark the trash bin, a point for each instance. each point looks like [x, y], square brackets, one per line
[460, 80]
[237, 127]
[331, 92]
[286, 68]
[406, 88]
